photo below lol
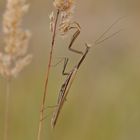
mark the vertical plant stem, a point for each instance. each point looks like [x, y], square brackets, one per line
[6, 116]
[47, 78]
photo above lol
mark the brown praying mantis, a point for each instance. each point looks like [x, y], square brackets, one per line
[64, 90]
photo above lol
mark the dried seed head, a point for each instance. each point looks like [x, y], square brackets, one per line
[63, 5]
[14, 56]
[66, 8]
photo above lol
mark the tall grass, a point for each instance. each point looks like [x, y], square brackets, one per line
[14, 56]
[65, 9]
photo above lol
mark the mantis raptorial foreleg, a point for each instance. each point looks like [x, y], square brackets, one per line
[74, 37]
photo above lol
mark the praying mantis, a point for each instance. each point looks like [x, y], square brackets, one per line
[70, 76]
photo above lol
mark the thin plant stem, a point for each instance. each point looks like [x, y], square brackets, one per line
[6, 116]
[47, 78]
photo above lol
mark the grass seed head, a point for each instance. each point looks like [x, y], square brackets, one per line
[63, 5]
[14, 56]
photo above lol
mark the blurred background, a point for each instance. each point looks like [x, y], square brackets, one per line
[104, 101]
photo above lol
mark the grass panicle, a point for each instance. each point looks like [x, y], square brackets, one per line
[14, 54]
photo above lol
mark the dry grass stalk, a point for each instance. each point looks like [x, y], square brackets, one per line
[47, 79]
[64, 8]
[13, 56]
